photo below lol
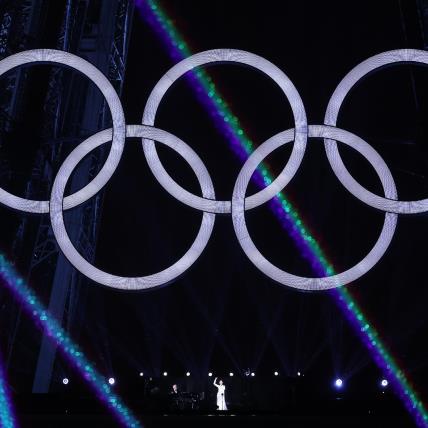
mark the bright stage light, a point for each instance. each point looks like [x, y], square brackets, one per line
[230, 374]
[141, 374]
[111, 381]
[384, 383]
[65, 381]
[188, 374]
[338, 383]
[165, 373]
[276, 373]
[210, 374]
[253, 374]
[298, 373]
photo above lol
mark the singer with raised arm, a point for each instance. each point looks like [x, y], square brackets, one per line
[221, 396]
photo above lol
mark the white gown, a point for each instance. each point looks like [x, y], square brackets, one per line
[221, 397]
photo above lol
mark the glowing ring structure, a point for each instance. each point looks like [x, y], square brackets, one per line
[333, 108]
[234, 56]
[130, 283]
[207, 201]
[118, 119]
[279, 275]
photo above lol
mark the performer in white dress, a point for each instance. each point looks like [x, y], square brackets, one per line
[221, 400]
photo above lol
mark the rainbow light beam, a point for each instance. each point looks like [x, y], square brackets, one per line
[50, 326]
[7, 416]
[287, 214]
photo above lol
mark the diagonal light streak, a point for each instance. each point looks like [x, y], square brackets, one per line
[228, 123]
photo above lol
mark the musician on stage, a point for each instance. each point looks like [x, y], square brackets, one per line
[175, 401]
[221, 397]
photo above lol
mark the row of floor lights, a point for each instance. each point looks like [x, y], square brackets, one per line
[338, 383]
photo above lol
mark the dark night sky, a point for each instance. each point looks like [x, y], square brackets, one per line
[224, 314]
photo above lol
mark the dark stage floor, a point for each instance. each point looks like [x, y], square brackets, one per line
[61, 412]
[226, 420]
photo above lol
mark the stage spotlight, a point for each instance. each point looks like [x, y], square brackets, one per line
[165, 373]
[210, 374]
[111, 381]
[188, 374]
[276, 373]
[230, 374]
[252, 374]
[65, 381]
[338, 383]
[384, 383]
[298, 373]
[141, 374]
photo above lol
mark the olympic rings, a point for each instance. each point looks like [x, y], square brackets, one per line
[118, 118]
[285, 278]
[238, 57]
[207, 202]
[333, 108]
[129, 283]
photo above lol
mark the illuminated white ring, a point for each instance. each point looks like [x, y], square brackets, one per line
[118, 119]
[333, 108]
[239, 57]
[97, 275]
[299, 282]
